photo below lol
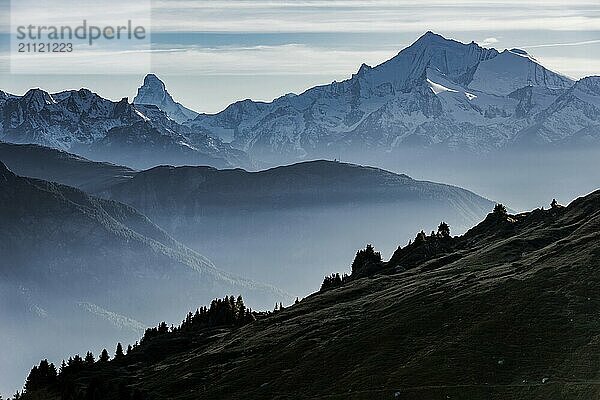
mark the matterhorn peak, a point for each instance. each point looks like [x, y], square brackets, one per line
[152, 81]
[154, 92]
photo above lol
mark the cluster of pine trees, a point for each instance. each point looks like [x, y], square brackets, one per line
[227, 311]
[45, 376]
[41, 376]
[333, 281]
[368, 261]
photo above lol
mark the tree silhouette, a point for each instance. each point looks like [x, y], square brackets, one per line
[119, 351]
[89, 358]
[40, 376]
[228, 311]
[333, 281]
[499, 209]
[104, 356]
[365, 258]
[420, 238]
[444, 230]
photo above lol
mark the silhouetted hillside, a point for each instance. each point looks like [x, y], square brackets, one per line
[506, 311]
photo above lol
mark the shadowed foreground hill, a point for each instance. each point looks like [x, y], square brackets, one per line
[507, 311]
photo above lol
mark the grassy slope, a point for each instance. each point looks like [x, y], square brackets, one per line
[514, 316]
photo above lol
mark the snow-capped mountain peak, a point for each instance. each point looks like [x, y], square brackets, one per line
[435, 92]
[512, 70]
[452, 58]
[154, 92]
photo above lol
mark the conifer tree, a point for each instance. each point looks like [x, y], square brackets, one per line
[41, 376]
[163, 328]
[119, 351]
[89, 358]
[240, 310]
[444, 230]
[499, 209]
[104, 356]
[365, 258]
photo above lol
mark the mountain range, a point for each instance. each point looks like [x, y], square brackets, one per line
[318, 211]
[139, 135]
[506, 311]
[435, 94]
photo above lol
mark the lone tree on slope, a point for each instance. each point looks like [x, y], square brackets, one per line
[444, 230]
[365, 258]
[499, 209]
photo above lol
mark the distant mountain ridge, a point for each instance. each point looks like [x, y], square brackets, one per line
[54, 214]
[49, 164]
[437, 93]
[308, 183]
[318, 211]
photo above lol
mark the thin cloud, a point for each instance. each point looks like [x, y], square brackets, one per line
[582, 43]
[372, 16]
[489, 41]
[289, 59]
[574, 67]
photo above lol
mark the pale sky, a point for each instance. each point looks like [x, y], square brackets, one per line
[211, 53]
